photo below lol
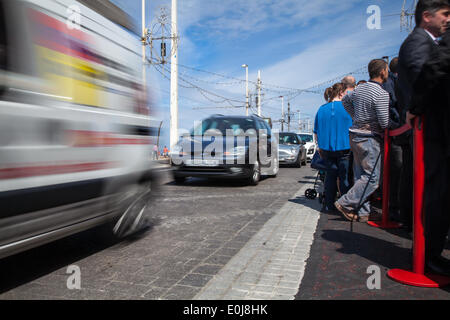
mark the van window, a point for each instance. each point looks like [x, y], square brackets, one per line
[265, 125]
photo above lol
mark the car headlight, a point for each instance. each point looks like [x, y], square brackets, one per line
[294, 150]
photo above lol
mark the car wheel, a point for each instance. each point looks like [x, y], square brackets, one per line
[256, 174]
[298, 163]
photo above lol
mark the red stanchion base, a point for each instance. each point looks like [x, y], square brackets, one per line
[380, 224]
[418, 280]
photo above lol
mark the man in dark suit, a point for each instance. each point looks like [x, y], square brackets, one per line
[396, 150]
[431, 19]
[431, 98]
[389, 86]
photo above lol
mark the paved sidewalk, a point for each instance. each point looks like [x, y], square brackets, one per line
[271, 265]
[340, 257]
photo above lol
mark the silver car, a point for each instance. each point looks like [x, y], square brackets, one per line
[291, 150]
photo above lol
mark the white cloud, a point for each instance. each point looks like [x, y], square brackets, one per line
[232, 18]
[327, 58]
[320, 49]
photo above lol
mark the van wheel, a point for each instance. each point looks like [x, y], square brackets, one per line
[133, 215]
[256, 174]
[136, 215]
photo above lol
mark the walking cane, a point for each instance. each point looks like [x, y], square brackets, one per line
[385, 222]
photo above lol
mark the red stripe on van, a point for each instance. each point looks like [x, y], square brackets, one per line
[34, 171]
[53, 23]
[101, 139]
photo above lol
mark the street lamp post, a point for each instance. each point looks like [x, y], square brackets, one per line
[174, 77]
[246, 88]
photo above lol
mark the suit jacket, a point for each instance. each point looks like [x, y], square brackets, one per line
[389, 86]
[414, 52]
[432, 94]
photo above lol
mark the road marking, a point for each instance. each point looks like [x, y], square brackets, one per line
[272, 263]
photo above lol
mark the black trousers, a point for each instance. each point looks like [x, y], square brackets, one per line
[436, 198]
[395, 176]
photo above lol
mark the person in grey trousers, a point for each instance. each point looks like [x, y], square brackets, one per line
[368, 105]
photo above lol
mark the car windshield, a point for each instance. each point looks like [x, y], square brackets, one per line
[306, 137]
[237, 125]
[287, 138]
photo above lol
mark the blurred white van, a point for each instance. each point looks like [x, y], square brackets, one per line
[75, 129]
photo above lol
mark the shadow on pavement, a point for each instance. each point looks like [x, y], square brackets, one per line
[370, 248]
[310, 203]
[213, 182]
[337, 266]
[35, 263]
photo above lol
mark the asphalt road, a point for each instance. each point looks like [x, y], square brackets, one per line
[195, 230]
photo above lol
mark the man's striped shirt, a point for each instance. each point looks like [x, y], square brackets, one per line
[368, 106]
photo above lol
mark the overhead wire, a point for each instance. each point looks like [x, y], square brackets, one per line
[160, 68]
[289, 93]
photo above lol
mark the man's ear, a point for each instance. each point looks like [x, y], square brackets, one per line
[426, 16]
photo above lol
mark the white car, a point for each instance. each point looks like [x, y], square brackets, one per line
[310, 144]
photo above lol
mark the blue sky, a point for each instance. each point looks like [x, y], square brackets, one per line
[295, 43]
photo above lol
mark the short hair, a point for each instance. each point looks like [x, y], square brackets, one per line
[393, 66]
[360, 82]
[376, 66]
[349, 81]
[429, 5]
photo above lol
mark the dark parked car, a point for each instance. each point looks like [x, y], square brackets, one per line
[236, 147]
[292, 149]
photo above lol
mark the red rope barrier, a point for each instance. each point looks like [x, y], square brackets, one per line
[417, 276]
[399, 131]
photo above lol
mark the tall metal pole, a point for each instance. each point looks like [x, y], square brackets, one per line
[259, 93]
[247, 96]
[282, 113]
[174, 79]
[247, 105]
[144, 77]
[289, 116]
